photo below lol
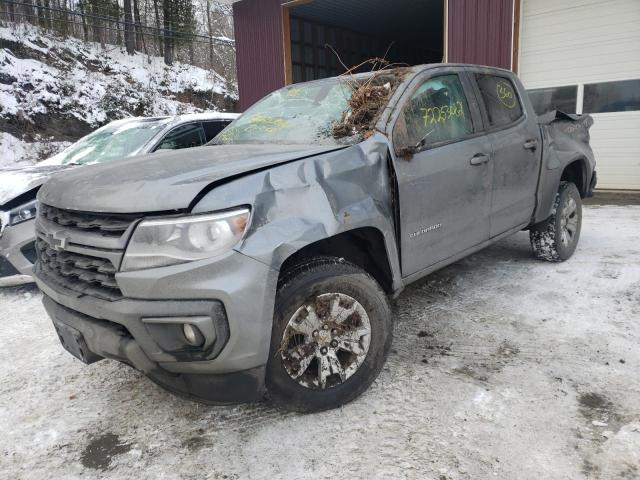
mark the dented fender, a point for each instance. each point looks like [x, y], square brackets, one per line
[565, 140]
[304, 201]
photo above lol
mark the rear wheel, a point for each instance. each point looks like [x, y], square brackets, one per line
[331, 335]
[556, 238]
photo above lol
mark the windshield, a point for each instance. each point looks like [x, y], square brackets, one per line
[113, 141]
[299, 114]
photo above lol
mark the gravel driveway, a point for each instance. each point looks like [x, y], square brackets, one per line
[502, 366]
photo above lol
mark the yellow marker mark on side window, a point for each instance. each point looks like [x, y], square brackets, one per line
[506, 94]
[442, 114]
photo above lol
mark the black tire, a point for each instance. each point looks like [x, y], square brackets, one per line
[547, 238]
[303, 284]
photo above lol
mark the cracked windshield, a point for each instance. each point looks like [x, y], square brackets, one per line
[304, 115]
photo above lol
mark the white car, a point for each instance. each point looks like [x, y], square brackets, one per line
[116, 140]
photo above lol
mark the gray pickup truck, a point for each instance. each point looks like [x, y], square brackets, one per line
[262, 264]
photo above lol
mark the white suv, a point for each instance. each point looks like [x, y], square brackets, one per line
[118, 139]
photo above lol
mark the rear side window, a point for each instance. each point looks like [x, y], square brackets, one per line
[501, 101]
[213, 128]
[437, 112]
[185, 136]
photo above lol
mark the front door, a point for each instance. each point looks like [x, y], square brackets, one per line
[516, 152]
[444, 183]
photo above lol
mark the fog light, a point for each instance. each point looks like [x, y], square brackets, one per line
[192, 334]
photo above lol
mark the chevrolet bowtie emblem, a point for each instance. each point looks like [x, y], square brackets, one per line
[57, 243]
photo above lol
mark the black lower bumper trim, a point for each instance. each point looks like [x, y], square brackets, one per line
[109, 340]
[219, 389]
[29, 252]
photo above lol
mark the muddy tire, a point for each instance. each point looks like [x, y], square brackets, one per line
[332, 331]
[555, 239]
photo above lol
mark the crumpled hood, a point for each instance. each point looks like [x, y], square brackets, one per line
[15, 181]
[162, 181]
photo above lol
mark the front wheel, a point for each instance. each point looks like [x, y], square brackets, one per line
[556, 238]
[331, 335]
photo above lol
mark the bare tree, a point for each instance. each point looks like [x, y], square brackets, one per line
[198, 32]
[140, 43]
[167, 14]
[129, 30]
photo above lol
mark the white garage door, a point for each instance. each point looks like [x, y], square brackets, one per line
[583, 56]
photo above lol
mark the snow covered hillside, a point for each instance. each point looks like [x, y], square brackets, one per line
[54, 90]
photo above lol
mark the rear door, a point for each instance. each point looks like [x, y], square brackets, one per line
[516, 146]
[444, 188]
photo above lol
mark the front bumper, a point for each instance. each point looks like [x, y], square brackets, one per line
[118, 329]
[17, 249]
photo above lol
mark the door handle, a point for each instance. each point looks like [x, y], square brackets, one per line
[531, 145]
[479, 159]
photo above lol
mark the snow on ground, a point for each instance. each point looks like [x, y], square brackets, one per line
[80, 86]
[12, 151]
[65, 79]
[502, 367]
[15, 152]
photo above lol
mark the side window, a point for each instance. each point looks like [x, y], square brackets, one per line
[500, 99]
[213, 128]
[437, 112]
[185, 136]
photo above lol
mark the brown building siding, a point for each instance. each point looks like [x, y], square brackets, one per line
[480, 31]
[259, 47]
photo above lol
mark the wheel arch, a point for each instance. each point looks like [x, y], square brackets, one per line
[364, 246]
[576, 172]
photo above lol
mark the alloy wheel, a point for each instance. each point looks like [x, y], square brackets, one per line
[568, 221]
[326, 340]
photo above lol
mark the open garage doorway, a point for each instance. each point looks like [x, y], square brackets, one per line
[409, 32]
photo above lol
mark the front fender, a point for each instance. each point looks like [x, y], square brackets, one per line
[302, 202]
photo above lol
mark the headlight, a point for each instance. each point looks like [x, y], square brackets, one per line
[169, 241]
[23, 213]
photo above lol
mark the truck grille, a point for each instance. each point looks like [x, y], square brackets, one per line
[84, 272]
[111, 225]
[80, 273]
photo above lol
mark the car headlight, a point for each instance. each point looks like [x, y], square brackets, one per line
[169, 241]
[22, 213]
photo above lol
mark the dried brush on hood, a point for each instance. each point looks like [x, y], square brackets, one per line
[368, 97]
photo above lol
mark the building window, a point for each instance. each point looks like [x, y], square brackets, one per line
[621, 96]
[554, 98]
[500, 99]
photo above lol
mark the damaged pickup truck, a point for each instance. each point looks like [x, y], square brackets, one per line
[263, 265]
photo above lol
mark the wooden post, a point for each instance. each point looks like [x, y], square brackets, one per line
[516, 36]
[286, 38]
